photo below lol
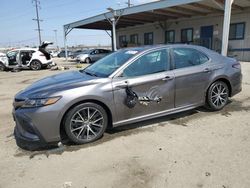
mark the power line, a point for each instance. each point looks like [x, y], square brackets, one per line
[37, 4]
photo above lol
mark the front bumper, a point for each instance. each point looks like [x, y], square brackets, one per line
[26, 134]
[36, 127]
[26, 143]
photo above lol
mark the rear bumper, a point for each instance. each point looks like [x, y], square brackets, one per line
[51, 63]
[236, 84]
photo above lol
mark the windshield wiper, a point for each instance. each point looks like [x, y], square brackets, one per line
[89, 73]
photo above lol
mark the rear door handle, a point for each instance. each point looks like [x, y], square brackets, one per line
[167, 78]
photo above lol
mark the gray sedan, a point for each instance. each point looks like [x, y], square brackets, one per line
[127, 86]
[89, 56]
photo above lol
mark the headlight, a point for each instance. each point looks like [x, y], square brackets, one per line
[30, 103]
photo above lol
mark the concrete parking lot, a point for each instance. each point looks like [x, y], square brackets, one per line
[193, 149]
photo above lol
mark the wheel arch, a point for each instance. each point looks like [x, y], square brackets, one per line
[106, 108]
[88, 58]
[3, 65]
[223, 79]
[34, 60]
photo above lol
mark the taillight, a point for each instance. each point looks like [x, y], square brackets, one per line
[236, 65]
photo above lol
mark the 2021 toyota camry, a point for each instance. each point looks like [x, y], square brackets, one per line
[127, 86]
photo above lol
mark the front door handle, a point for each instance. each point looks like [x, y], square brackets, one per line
[167, 78]
[207, 70]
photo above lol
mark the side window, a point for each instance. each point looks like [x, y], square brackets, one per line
[186, 57]
[187, 35]
[150, 63]
[170, 36]
[148, 38]
[122, 41]
[12, 55]
[237, 31]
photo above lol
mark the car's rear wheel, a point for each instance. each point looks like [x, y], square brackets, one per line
[217, 96]
[87, 60]
[85, 123]
[35, 65]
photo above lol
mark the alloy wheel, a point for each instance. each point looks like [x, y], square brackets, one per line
[86, 124]
[2, 68]
[219, 95]
[35, 65]
[87, 60]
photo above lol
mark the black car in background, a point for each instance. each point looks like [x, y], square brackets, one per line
[63, 54]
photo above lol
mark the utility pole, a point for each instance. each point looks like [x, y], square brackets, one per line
[37, 4]
[56, 38]
[129, 3]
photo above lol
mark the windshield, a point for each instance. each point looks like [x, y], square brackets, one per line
[85, 51]
[107, 65]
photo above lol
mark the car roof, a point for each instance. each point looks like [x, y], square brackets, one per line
[151, 47]
[23, 49]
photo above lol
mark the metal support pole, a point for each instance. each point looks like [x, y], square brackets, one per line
[226, 26]
[65, 45]
[112, 40]
[56, 38]
[114, 33]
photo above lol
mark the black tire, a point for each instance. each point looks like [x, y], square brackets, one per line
[35, 65]
[85, 123]
[88, 60]
[217, 96]
[2, 67]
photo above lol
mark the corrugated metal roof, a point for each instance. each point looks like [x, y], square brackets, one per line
[157, 11]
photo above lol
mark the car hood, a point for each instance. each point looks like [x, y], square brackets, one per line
[52, 84]
[2, 54]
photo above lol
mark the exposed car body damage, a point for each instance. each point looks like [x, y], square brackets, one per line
[143, 98]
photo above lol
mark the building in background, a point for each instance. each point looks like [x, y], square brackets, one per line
[197, 22]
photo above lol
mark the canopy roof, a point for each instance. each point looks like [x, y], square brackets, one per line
[156, 11]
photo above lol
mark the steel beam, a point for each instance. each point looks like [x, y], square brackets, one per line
[226, 26]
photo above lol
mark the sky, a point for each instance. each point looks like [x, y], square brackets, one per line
[18, 29]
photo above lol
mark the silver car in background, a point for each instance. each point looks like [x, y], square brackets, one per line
[89, 56]
[127, 86]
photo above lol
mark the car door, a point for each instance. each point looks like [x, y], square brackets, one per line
[191, 70]
[95, 55]
[13, 58]
[148, 77]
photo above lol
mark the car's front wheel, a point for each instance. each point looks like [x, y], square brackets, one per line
[2, 67]
[35, 65]
[85, 123]
[217, 96]
[88, 60]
